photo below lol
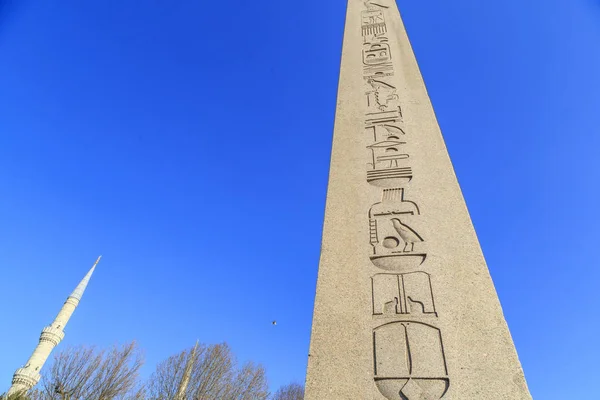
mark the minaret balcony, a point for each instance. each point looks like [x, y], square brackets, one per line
[51, 334]
[26, 377]
[74, 301]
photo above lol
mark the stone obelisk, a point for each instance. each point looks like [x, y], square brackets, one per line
[28, 376]
[405, 307]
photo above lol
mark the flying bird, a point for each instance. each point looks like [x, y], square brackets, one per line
[407, 234]
[274, 323]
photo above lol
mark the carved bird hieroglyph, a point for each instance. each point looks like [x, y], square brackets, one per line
[408, 235]
[384, 94]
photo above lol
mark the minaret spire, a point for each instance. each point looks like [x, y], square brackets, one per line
[28, 376]
[78, 292]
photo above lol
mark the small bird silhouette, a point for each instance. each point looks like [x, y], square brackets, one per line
[407, 234]
[274, 323]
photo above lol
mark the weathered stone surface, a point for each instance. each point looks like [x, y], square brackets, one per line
[405, 307]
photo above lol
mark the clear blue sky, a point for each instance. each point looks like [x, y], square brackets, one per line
[188, 142]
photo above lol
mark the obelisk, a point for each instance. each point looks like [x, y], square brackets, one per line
[405, 307]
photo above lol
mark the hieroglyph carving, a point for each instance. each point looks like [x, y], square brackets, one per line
[409, 360]
[377, 58]
[394, 232]
[382, 104]
[403, 294]
[373, 23]
[388, 164]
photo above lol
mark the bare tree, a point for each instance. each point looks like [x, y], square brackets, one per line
[293, 391]
[213, 375]
[249, 383]
[35, 394]
[81, 373]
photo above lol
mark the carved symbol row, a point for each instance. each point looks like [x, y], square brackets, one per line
[388, 164]
[409, 359]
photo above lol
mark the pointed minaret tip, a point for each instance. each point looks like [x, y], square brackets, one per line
[78, 292]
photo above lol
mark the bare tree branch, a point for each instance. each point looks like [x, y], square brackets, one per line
[214, 375]
[293, 391]
[81, 373]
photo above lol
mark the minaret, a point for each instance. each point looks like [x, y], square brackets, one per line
[27, 377]
[187, 373]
